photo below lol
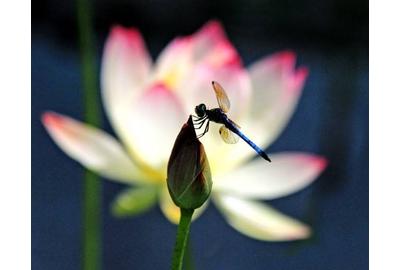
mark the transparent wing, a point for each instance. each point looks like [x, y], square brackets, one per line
[222, 98]
[228, 136]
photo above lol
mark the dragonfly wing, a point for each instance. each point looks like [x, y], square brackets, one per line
[228, 136]
[222, 98]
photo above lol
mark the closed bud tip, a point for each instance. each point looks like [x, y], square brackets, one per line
[189, 176]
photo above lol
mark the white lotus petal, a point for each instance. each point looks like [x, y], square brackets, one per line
[277, 87]
[174, 62]
[126, 63]
[92, 148]
[260, 221]
[286, 174]
[125, 70]
[155, 121]
[171, 211]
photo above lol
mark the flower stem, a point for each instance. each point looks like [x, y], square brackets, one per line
[188, 260]
[91, 222]
[92, 185]
[181, 238]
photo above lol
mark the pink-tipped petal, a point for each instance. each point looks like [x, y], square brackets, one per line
[212, 29]
[286, 174]
[92, 148]
[125, 70]
[299, 79]
[125, 55]
[153, 124]
[209, 46]
[283, 59]
[258, 220]
[276, 88]
[214, 59]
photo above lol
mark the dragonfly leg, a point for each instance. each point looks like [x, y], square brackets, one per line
[198, 125]
[198, 122]
[205, 130]
[199, 119]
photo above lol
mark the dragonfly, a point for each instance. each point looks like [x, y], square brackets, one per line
[229, 131]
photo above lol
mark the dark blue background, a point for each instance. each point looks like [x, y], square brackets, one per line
[331, 120]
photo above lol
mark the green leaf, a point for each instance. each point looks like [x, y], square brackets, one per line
[134, 201]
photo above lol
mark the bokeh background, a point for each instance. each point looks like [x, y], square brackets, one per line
[330, 37]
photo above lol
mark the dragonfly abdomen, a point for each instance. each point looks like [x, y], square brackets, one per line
[259, 151]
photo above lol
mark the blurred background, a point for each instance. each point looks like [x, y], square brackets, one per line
[330, 37]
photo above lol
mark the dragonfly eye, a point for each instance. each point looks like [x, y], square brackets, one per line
[200, 110]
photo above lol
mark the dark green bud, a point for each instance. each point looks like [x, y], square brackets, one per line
[189, 176]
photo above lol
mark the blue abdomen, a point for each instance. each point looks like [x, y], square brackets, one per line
[259, 151]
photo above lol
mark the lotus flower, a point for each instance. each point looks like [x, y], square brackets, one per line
[147, 102]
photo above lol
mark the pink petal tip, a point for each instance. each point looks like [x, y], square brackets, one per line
[298, 79]
[52, 119]
[320, 162]
[286, 58]
[129, 40]
[125, 34]
[213, 27]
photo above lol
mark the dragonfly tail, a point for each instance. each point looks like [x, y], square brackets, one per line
[264, 155]
[249, 142]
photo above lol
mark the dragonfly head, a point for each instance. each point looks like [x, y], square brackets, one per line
[201, 110]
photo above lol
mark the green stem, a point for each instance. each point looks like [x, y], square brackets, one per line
[91, 222]
[92, 185]
[188, 260]
[181, 238]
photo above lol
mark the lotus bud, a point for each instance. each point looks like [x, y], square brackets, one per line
[189, 176]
